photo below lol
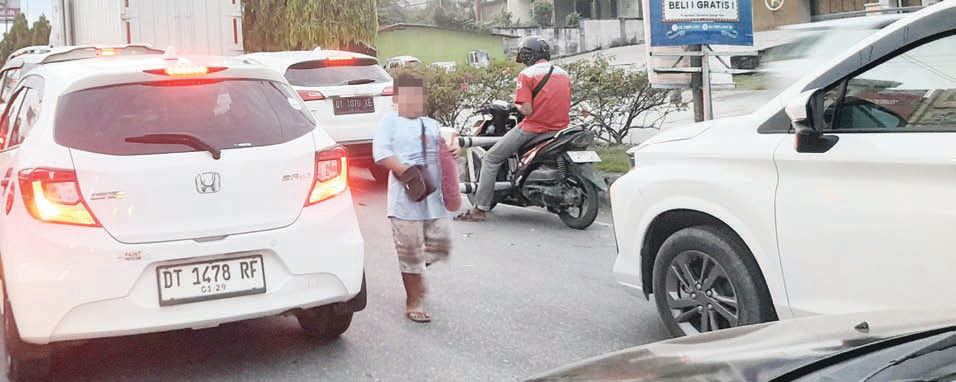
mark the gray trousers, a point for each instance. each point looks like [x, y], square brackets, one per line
[494, 158]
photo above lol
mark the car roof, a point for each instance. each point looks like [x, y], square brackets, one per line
[863, 22]
[282, 60]
[29, 58]
[35, 49]
[104, 71]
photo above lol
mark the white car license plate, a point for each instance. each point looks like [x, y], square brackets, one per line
[584, 156]
[207, 280]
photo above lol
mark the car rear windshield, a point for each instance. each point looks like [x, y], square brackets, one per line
[226, 114]
[320, 73]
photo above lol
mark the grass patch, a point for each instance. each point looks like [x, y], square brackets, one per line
[613, 159]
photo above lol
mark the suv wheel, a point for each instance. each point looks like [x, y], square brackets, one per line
[704, 280]
[25, 362]
[324, 322]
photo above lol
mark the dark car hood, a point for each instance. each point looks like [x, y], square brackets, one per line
[750, 353]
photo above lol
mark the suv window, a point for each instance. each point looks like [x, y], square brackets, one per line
[9, 83]
[915, 90]
[223, 113]
[321, 73]
[26, 117]
[9, 117]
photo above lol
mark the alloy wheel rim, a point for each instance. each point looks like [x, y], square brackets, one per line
[700, 295]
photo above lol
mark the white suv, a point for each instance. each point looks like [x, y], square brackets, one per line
[836, 197]
[349, 94]
[144, 194]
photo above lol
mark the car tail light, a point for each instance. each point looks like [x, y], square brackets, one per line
[107, 52]
[53, 196]
[311, 95]
[186, 70]
[331, 174]
[388, 91]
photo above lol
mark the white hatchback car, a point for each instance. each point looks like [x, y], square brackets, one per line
[835, 197]
[349, 94]
[144, 194]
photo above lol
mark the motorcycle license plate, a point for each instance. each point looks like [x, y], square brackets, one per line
[583, 156]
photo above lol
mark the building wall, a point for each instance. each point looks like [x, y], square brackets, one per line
[792, 12]
[591, 35]
[563, 40]
[629, 8]
[491, 10]
[436, 45]
[520, 10]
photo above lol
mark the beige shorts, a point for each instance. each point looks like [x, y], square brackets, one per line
[421, 241]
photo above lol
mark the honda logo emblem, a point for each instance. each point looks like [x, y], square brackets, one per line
[208, 182]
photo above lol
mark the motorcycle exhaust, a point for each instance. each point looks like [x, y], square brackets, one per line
[471, 188]
[478, 141]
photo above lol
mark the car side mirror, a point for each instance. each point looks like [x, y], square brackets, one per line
[806, 114]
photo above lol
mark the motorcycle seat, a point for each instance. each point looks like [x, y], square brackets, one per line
[538, 139]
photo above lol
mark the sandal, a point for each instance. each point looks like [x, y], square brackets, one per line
[420, 317]
[467, 216]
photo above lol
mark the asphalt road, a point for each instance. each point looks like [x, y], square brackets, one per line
[520, 295]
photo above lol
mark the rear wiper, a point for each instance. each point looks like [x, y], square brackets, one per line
[943, 344]
[361, 81]
[177, 139]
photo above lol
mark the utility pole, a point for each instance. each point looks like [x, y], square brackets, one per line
[696, 83]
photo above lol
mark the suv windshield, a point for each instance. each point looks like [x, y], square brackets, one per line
[225, 114]
[321, 73]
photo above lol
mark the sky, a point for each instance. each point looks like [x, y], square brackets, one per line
[34, 8]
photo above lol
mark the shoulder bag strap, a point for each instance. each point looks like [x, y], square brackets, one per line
[537, 89]
[424, 148]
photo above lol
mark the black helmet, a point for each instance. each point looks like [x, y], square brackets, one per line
[532, 49]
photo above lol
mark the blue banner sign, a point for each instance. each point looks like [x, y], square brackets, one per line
[700, 22]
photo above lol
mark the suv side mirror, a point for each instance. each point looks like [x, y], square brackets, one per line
[806, 116]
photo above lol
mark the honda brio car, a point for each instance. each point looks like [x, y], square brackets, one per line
[349, 94]
[152, 193]
[835, 197]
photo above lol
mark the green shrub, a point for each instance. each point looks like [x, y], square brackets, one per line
[573, 19]
[542, 11]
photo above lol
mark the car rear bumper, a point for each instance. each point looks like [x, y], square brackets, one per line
[71, 283]
[360, 152]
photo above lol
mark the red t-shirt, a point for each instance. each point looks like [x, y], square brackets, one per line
[551, 108]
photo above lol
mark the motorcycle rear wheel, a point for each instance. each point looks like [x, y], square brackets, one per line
[587, 211]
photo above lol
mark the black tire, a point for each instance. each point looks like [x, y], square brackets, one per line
[25, 362]
[464, 178]
[324, 322]
[588, 210]
[725, 289]
[379, 173]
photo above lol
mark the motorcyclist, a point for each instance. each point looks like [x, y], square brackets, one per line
[543, 95]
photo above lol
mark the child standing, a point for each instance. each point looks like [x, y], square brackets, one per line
[421, 229]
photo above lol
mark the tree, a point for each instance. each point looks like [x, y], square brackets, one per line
[613, 101]
[21, 35]
[276, 25]
[542, 11]
[41, 31]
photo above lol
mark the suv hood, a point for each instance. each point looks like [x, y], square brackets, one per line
[750, 353]
[693, 130]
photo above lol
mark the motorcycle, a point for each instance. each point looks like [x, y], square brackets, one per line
[553, 170]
